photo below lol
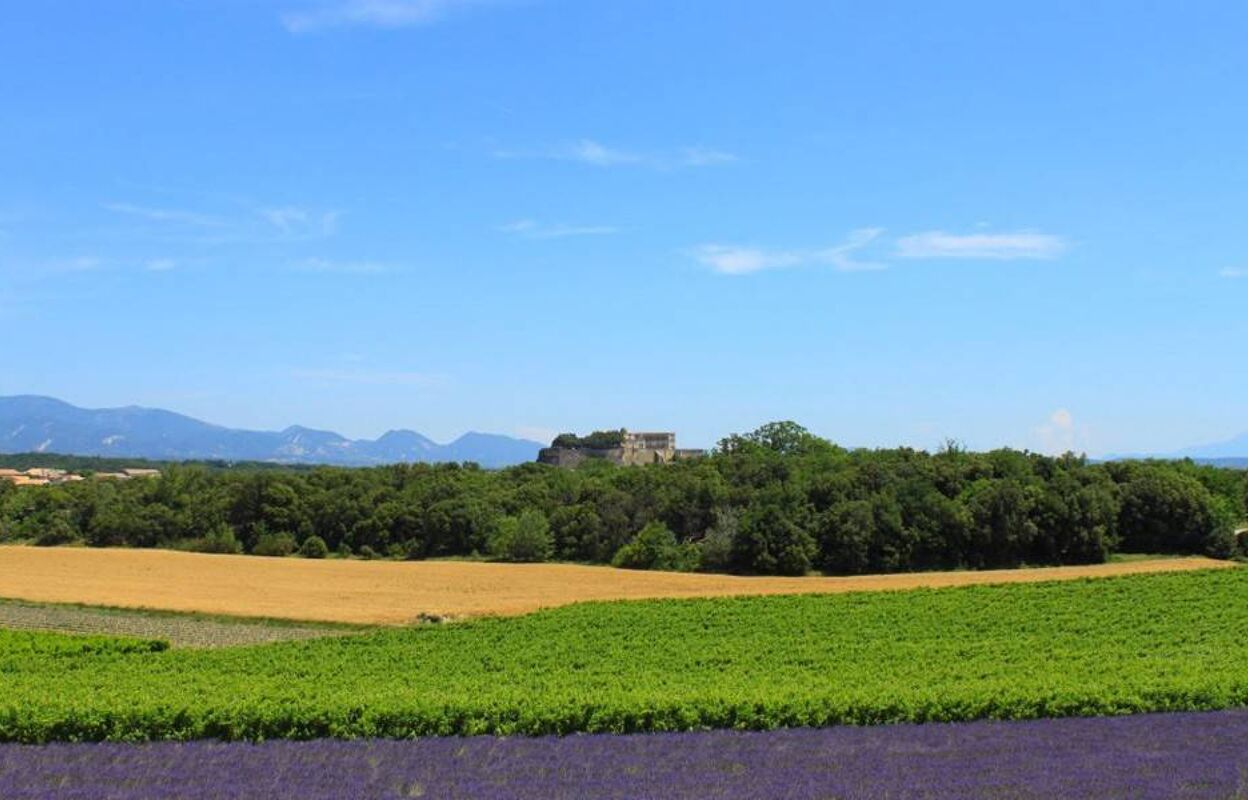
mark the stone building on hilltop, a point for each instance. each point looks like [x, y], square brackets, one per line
[632, 448]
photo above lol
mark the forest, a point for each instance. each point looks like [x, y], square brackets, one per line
[778, 500]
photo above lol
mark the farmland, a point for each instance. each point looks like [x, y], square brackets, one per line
[388, 593]
[179, 630]
[1098, 647]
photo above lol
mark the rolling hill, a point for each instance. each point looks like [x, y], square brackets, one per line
[30, 423]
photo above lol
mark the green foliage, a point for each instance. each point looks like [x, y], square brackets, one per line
[1109, 646]
[796, 503]
[274, 544]
[1165, 512]
[219, 540]
[314, 547]
[598, 440]
[715, 548]
[655, 547]
[522, 538]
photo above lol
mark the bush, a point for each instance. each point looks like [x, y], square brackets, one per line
[344, 550]
[367, 553]
[57, 530]
[523, 538]
[715, 549]
[274, 544]
[314, 547]
[220, 539]
[655, 547]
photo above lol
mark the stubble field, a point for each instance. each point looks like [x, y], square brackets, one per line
[399, 593]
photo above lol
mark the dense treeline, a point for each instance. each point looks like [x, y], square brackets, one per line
[778, 500]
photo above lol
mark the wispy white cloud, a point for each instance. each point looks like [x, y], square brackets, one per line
[295, 221]
[704, 157]
[1234, 272]
[596, 154]
[160, 264]
[370, 13]
[990, 246]
[532, 229]
[170, 215]
[370, 377]
[249, 224]
[842, 255]
[587, 151]
[329, 266]
[729, 259]
[743, 260]
[1060, 434]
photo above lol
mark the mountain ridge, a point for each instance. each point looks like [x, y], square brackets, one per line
[35, 423]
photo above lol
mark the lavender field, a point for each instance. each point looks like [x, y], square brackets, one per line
[1182, 755]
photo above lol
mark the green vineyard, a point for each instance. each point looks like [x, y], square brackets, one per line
[1108, 646]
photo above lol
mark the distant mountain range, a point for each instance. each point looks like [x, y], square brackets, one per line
[1231, 453]
[31, 424]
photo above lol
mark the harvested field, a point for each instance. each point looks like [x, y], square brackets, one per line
[180, 630]
[398, 593]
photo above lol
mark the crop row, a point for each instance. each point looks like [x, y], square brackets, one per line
[1144, 757]
[1109, 646]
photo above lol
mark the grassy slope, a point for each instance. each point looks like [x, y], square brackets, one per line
[1159, 642]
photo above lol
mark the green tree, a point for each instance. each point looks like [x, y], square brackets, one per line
[522, 538]
[655, 547]
[314, 547]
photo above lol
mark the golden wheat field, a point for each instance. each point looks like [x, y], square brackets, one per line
[396, 593]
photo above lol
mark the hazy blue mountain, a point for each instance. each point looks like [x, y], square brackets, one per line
[1236, 448]
[1230, 453]
[43, 424]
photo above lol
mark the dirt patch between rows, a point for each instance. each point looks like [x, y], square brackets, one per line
[397, 593]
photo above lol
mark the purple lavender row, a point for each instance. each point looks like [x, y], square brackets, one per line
[1190, 755]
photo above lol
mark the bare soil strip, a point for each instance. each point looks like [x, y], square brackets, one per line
[399, 593]
[179, 630]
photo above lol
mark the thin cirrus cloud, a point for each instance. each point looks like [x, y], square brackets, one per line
[847, 256]
[250, 224]
[596, 154]
[391, 14]
[744, 260]
[295, 220]
[981, 246]
[168, 215]
[532, 229]
[1234, 272]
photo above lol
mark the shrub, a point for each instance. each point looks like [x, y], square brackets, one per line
[655, 547]
[344, 550]
[55, 531]
[274, 544]
[220, 539]
[367, 553]
[314, 547]
[715, 549]
[523, 538]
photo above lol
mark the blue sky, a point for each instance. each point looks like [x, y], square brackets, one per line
[1005, 223]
